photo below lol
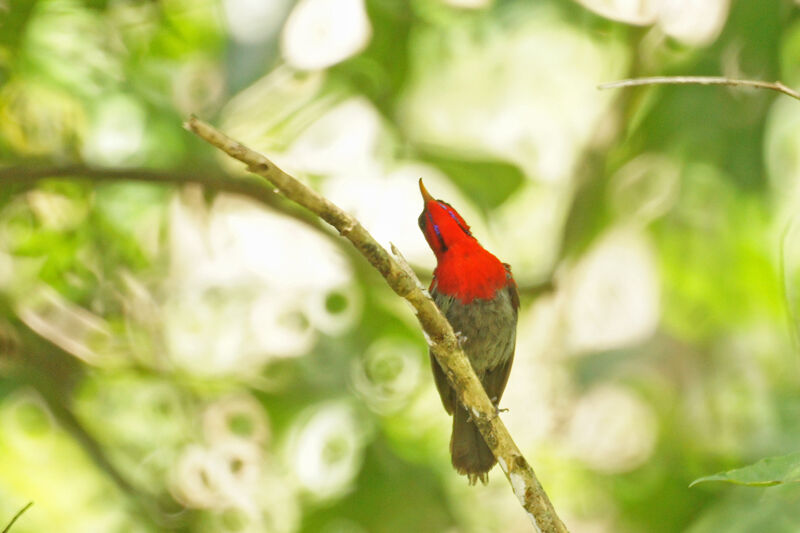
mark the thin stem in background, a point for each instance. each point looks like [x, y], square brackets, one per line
[702, 80]
[16, 516]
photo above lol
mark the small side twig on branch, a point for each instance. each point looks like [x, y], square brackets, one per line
[16, 516]
[442, 340]
[702, 80]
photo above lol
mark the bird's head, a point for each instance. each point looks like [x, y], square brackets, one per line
[442, 226]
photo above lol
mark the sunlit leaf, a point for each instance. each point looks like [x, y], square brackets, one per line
[764, 473]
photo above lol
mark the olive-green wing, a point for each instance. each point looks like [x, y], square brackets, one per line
[443, 386]
[495, 379]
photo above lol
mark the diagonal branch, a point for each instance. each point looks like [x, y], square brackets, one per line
[702, 80]
[439, 333]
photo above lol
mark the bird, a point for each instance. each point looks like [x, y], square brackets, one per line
[477, 294]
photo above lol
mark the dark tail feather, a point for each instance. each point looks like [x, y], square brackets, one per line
[470, 454]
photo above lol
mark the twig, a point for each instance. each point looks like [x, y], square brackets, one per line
[249, 186]
[16, 516]
[246, 186]
[702, 80]
[442, 340]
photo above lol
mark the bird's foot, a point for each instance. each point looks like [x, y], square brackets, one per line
[497, 412]
[472, 415]
[497, 409]
[461, 338]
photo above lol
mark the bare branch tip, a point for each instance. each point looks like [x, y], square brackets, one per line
[191, 124]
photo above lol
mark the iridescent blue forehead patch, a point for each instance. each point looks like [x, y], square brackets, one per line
[453, 215]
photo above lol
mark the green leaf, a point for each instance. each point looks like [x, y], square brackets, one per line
[764, 473]
[488, 183]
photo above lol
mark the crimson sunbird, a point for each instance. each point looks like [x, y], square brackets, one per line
[477, 294]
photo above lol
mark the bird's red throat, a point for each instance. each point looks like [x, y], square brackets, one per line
[468, 271]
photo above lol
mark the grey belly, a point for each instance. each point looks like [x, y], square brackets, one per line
[487, 328]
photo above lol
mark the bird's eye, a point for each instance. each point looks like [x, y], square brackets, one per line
[421, 221]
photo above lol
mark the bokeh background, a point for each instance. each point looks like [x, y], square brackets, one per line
[183, 350]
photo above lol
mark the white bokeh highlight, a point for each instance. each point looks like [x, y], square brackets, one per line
[692, 22]
[528, 230]
[325, 449]
[612, 430]
[72, 328]
[639, 12]
[238, 416]
[344, 139]
[387, 374]
[254, 21]
[321, 33]
[613, 294]
[645, 188]
[540, 388]
[248, 285]
[220, 476]
[116, 134]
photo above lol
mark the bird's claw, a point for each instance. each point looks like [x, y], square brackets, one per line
[497, 412]
[497, 409]
[461, 338]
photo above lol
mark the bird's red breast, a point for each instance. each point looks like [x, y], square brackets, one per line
[470, 274]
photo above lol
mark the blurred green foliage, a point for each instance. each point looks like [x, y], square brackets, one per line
[176, 358]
